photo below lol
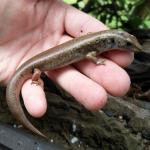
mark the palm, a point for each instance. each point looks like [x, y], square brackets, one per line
[32, 31]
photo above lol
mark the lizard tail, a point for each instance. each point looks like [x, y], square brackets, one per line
[14, 104]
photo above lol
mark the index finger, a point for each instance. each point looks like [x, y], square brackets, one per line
[78, 23]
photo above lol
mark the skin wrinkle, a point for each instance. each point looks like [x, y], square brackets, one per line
[57, 29]
[41, 19]
[4, 73]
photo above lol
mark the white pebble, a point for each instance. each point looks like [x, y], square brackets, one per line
[74, 140]
[74, 127]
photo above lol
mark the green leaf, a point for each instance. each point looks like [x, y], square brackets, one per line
[81, 4]
[147, 23]
[70, 1]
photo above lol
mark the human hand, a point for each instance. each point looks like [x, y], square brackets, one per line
[30, 27]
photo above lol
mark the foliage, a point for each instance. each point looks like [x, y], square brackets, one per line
[117, 13]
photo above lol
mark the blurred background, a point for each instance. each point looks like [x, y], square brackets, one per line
[131, 14]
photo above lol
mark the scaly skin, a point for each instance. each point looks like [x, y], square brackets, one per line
[67, 53]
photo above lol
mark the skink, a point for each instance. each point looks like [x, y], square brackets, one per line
[88, 46]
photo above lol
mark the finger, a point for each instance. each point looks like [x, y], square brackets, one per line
[34, 99]
[81, 23]
[122, 58]
[87, 92]
[110, 76]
